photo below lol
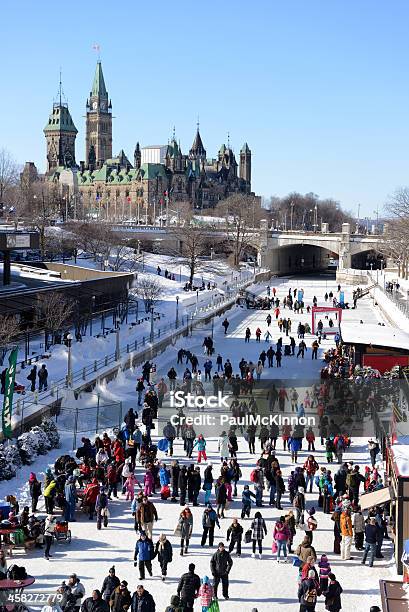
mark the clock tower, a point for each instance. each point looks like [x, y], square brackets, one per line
[98, 132]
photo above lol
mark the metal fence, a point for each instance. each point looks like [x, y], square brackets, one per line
[393, 296]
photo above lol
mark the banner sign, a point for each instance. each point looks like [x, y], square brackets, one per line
[8, 393]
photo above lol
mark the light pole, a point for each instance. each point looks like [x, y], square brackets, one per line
[177, 312]
[117, 349]
[69, 363]
[197, 296]
[151, 335]
[292, 213]
[92, 310]
[211, 252]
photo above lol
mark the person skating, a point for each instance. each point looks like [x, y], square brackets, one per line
[246, 501]
[201, 448]
[164, 553]
[235, 536]
[259, 531]
[209, 521]
[333, 595]
[110, 583]
[225, 324]
[143, 555]
[247, 335]
[221, 497]
[188, 588]
[220, 565]
[142, 601]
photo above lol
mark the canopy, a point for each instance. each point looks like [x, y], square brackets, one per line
[376, 498]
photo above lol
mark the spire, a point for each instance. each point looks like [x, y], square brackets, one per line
[98, 86]
[197, 149]
[228, 140]
[245, 149]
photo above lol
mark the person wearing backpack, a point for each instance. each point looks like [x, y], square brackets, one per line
[333, 595]
[308, 593]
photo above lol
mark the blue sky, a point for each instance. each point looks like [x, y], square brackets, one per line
[318, 89]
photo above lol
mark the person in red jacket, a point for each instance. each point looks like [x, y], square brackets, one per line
[90, 497]
[118, 451]
[310, 466]
[310, 437]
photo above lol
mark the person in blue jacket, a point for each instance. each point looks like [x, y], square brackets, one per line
[164, 476]
[246, 501]
[70, 494]
[294, 445]
[144, 551]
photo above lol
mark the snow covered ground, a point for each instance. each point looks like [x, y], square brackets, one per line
[263, 584]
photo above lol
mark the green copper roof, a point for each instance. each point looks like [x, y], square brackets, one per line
[151, 171]
[222, 149]
[245, 148]
[60, 120]
[98, 86]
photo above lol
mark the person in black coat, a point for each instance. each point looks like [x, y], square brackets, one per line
[130, 419]
[188, 588]
[142, 601]
[32, 377]
[220, 565]
[95, 603]
[164, 552]
[333, 595]
[182, 483]
[196, 482]
[235, 535]
[111, 582]
[174, 479]
[221, 498]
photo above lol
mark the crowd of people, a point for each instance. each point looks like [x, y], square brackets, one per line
[126, 465]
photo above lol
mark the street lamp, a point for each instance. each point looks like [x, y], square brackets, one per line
[117, 349]
[177, 312]
[197, 296]
[292, 213]
[211, 252]
[92, 311]
[69, 363]
[151, 334]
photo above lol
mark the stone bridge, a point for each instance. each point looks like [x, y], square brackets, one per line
[290, 252]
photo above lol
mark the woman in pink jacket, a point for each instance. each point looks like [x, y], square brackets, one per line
[205, 594]
[281, 536]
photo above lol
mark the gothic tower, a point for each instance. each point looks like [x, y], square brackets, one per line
[60, 133]
[98, 131]
[197, 151]
[137, 156]
[245, 164]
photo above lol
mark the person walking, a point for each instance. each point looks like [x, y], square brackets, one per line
[144, 553]
[221, 497]
[281, 536]
[259, 530]
[308, 593]
[185, 529]
[220, 565]
[95, 603]
[145, 516]
[32, 377]
[164, 552]
[209, 521]
[205, 594]
[333, 595]
[121, 598]
[359, 529]
[314, 346]
[110, 583]
[42, 378]
[201, 448]
[71, 498]
[188, 588]
[49, 529]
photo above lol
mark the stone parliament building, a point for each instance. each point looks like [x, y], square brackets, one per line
[112, 188]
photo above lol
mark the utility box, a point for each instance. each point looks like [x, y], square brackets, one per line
[324, 228]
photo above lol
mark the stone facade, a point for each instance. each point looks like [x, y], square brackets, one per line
[113, 188]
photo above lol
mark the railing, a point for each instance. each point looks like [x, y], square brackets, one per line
[82, 374]
[399, 302]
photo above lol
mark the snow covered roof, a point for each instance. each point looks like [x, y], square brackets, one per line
[400, 453]
[377, 335]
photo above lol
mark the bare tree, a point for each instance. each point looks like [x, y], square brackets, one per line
[9, 329]
[242, 214]
[42, 204]
[9, 174]
[53, 311]
[147, 289]
[192, 246]
[394, 243]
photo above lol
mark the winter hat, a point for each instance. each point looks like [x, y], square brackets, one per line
[311, 511]
[300, 489]
[175, 601]
[32, 477]
[112, 569]
[142, 533]
[324, 560]
[311, 574]
[205, 580]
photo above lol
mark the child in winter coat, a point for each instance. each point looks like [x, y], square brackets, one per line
[312, 523]
[325, 570]
[201, 448]
[130, 483]
[148, 481]
[246, 501]
[205, 594]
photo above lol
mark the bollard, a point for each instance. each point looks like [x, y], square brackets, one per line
[106, 360]
[127, 348]
[95, 365]
[36, 397]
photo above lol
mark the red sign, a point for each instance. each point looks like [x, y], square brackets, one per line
[326, 309]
